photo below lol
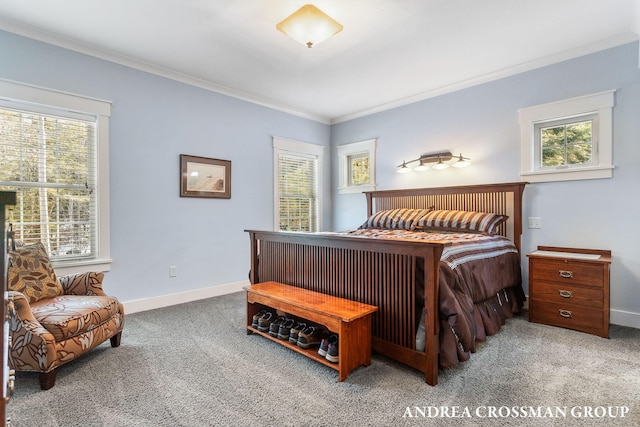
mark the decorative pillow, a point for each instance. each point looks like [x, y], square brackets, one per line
[30, 272]
[461, 221]
[395, 219]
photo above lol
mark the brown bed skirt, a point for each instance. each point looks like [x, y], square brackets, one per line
[486, 317]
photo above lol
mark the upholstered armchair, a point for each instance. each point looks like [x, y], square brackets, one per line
[54, 320]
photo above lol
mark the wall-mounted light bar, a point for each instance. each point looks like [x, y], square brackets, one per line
[440, 160]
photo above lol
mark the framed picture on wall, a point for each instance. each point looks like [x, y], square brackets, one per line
[205, 177]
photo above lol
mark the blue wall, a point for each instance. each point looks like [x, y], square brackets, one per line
[153, 121]
[483, 123]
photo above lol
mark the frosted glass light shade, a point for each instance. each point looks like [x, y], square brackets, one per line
[403, 168]
[462, 162]
[421, 167]
[309, 26]
[440, 165]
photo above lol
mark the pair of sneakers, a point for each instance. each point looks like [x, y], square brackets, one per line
[281, 327]
[329, 348]
[295, 332]
[262, 320]
[311, 336]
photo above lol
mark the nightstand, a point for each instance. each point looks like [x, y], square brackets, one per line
[569, 288]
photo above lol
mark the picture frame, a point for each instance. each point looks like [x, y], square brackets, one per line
[205, 177]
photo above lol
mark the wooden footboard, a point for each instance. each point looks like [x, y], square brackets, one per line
[383, 274]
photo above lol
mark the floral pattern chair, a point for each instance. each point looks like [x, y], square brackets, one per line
[54, 320]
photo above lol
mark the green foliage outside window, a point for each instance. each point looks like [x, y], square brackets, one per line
[359, 169]
[46, 160]
[565, 145]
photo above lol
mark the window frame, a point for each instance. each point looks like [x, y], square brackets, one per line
[302, 149]
[598, 106]
[54, 102]
[345, 152]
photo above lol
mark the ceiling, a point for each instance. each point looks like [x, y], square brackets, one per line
[390, 53]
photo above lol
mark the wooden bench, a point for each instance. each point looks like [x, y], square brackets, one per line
[350, 320]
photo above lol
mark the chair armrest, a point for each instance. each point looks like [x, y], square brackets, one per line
[89, 283]
[19, 310]
[32, 346]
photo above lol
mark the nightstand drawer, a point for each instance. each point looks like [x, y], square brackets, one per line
[569, 295]
[580, 318]
[568, 272]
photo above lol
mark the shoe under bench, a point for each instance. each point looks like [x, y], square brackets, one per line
[350, 320]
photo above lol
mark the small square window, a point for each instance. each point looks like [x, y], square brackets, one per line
[357, 167]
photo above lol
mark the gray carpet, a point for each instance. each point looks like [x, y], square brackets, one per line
[193, 365]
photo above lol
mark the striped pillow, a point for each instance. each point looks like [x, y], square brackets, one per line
[395, 219]
[462, 221]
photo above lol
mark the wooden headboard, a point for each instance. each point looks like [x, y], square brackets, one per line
[504, 199]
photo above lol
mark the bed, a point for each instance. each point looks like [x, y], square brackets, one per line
[428, 316]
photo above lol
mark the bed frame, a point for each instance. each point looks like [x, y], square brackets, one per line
[384, 272]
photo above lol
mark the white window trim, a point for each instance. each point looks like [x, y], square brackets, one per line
[344, 152]
[600, 104]
[22, 93]
[296, 148]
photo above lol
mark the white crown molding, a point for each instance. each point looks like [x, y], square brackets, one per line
[76, 46]
[507, 72]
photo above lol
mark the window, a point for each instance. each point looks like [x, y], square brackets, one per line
[568, 140]
[298, 167]
[566, 143]
[357, 165]
[52, 148]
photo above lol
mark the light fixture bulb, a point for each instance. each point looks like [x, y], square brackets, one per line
[309, 25]
[461, 162]
[440, 165]
[403, 168]
[421, 167]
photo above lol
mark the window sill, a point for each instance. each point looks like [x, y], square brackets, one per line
[575, 174]
[356, 189]
[62, 268]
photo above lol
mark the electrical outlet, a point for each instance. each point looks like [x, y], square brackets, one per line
[535, 222]
[173, 271]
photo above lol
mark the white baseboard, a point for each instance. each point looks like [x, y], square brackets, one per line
[145, 304]
[624, 318]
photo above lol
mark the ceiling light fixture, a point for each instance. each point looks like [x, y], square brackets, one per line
[440, 160]
[309, 26]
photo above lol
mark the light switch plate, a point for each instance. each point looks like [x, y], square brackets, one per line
[535, 222]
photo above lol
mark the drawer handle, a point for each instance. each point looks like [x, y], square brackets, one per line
[566, 274]
[565, 294]
[565, 313]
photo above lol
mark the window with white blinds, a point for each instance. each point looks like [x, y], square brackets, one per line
[49, 157]
[297, 176]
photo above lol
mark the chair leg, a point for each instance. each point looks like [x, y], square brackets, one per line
[115, 340]
[47, 379]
